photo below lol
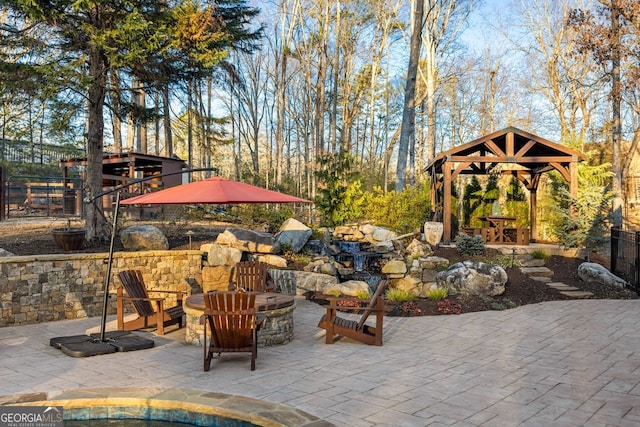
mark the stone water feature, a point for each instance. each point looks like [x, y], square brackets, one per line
[363, 265]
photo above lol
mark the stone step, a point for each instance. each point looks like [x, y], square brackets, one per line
[577, 294]
[540, 279]
[561, 286]
[536, 271]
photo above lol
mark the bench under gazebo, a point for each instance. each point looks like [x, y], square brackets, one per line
[518, 153]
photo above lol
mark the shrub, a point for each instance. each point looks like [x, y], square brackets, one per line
[467, 245]
[539, 254]
[437, 294]
[399, 211]
[362, 294]
[399, 295]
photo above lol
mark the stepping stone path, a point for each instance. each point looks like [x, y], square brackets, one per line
[543, 274]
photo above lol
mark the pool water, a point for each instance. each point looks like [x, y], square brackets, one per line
[124, 422]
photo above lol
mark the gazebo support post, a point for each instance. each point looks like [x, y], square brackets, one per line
[446, 211]
[533, 207]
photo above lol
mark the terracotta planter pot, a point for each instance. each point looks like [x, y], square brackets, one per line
[69, 239]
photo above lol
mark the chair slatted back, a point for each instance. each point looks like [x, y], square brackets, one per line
[231, 318]
[134, 285]
[372, 303]
[251, 275]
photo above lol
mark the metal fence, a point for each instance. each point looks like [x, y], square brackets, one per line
[625, 256]
[43, 196]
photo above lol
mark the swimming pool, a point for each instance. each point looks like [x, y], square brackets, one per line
[194, 407]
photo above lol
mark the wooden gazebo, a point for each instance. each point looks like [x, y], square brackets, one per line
[519, 153]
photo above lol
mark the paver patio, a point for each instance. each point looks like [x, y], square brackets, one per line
[561, 363]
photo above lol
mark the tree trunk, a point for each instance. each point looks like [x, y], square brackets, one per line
[408, 131]
[116, 111]
[616, 127]
[168, 137]
[93, 214]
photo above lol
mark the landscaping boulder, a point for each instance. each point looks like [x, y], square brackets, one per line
[5, 253]
[247, 240]
[143, 237]
[302, 281]
[292, 235]
[274, 260]
[473, 278]
[221, 255]
[394, 268]
[433, 232]
[594, 272]
[418, 249]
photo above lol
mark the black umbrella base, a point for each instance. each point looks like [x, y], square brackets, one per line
[90, 345]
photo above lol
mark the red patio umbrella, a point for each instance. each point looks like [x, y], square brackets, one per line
[215, 190]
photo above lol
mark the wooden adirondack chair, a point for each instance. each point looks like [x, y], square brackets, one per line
[252, 276]
[231, 316]
[357, 330]
[149, 314]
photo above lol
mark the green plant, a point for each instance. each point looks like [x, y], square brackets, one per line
[467, 245]
[504, 305]
[399, 211]
[539, 254]
[340, 195]
[437, 294]
[399, 295]
[362, 294]
[506, 261]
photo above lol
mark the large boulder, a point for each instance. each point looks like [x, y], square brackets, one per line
[218, 255]
[594, 272]
[418, 249]
[433, 232]
[247, 240]
[143, 237]
[395, 268]
[473, 278]
[302, 282]
[5, 253]
[292, 235]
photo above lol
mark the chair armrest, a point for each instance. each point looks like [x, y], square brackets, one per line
[142, 299]
[165, 291]
[260, 319]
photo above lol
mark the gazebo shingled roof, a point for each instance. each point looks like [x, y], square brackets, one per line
[521, 154]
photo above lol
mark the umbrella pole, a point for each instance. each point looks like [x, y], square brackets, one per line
[109, 263]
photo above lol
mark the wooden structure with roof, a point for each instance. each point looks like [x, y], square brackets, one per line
[122, 168]
[512, 151]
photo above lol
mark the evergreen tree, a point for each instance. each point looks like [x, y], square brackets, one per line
[515, 193]
[472, 199]
[340, 197]
[149, 39]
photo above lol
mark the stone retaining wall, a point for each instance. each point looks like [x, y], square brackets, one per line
[44, 288]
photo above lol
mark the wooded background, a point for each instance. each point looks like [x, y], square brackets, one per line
[265, 89]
